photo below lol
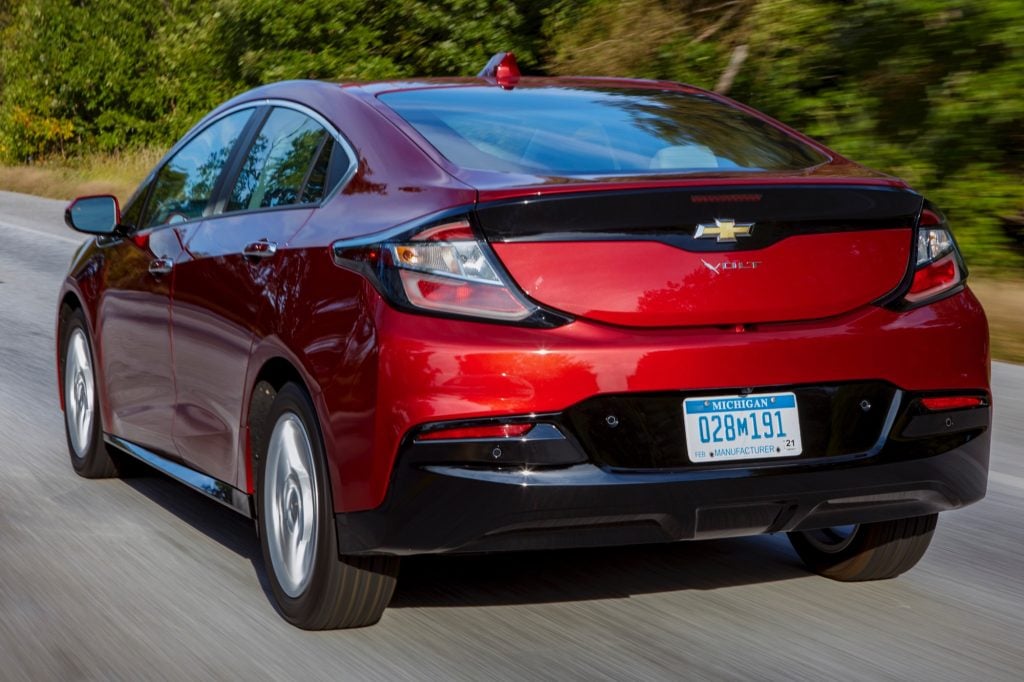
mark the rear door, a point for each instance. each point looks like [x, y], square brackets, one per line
[227, 283]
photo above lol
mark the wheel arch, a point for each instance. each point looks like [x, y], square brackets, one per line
[71, 300]
[275, 370]
[69, 303]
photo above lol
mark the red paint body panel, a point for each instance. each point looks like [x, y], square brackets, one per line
[133, 341]
[432, 369]
[222, 303]
[648, 284]
[332, 339]
[374, 372]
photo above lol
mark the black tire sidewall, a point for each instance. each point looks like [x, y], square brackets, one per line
[300, 609]
[95, 460]
[861, 559]
[825, 562]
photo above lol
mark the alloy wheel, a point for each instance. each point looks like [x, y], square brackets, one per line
[79, 393]
[290, 503]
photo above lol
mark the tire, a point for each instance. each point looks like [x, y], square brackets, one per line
[83, 427]
[315, 588]
[870, 551]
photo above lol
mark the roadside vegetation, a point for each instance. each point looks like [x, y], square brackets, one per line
[1003, 300]
[91, 91]
[117, 173]
[929, 90]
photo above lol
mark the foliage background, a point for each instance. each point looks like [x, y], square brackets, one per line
[930, 90]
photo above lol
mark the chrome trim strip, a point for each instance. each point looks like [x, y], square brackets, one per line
[331, 129]
[254, 104]
[890, 419]
[217, 490]
[537, 433]
[544, 432]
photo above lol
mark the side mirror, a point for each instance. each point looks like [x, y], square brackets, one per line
[93, 215]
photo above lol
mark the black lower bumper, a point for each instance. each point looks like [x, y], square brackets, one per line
[457, 508]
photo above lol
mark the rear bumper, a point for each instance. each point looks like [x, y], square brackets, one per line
[453, 508]
[454, 369]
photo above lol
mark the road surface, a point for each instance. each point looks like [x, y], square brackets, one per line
[143, 579]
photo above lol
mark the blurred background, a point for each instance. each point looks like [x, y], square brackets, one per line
[92, 93]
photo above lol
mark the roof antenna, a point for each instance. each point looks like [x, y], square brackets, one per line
[502, 70]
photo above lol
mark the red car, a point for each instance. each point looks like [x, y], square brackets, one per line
[504, 313]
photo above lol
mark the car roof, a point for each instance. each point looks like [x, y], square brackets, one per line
[381, 87]
[325, 96]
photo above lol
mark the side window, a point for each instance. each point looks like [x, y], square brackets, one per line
[319, 179]
[287, 164]
[132, 214]
[183, 187]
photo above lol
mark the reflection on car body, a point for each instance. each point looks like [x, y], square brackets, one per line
[505, 313]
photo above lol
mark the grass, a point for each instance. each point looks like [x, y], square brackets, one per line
[1003, 300]
[118, 174]
[1001, 294]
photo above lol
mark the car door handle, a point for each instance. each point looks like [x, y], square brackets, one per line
[260, 249]
[161, 266]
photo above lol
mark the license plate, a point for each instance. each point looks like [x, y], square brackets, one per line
[725, 428]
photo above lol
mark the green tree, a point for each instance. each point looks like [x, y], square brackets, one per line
[73, 72]
[929, 90]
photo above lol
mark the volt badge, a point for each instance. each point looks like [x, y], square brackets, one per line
[724, 230]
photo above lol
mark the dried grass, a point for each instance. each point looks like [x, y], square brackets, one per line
[117, 174]
[1003, 300]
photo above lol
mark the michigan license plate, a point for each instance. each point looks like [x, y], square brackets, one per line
[726, 428]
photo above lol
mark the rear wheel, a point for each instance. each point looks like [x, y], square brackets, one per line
[82, 426]
[870, 551]
[314, 587]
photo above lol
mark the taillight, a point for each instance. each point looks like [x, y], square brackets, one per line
[455, 277]
[938, 267]
[444, 268]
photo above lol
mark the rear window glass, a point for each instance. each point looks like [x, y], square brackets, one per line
[595, 131]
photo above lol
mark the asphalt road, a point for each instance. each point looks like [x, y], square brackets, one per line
[141, 578]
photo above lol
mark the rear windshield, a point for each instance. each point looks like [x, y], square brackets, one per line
[595, 131]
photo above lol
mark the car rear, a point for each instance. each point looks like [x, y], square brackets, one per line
[665, 318]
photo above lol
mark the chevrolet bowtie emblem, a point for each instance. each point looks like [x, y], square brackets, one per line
[726, 229]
